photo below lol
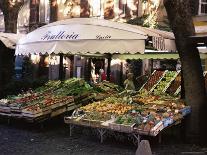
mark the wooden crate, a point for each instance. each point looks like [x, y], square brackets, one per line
[58, 111]
[115, 126]
[127, 128]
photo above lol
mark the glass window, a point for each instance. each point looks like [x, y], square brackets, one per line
[203, 7]
[44, 11]
[1, 21]
[96, 7]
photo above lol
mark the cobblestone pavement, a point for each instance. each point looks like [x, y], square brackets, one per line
[26, 139]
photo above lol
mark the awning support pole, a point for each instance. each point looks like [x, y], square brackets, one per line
[109, 68]
[61, 68]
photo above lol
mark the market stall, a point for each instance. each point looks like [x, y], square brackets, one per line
[82, 36]
[134, 115]
[144, 113]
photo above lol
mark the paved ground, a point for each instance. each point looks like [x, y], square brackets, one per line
[20, 138]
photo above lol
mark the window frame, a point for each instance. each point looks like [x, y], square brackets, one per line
[45, 5]
[201, 2]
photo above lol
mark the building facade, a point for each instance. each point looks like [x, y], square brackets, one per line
[36, 13]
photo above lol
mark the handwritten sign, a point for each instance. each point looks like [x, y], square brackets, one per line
[103, 37]
[62, 35]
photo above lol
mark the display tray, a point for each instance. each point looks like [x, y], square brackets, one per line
[157, 129]
[5, 114]
[19, 115]
[127, 128]
[25, 111]
[115, 126]
[95, 123]
[72, 107]
[58, 111]
[34, 115]
[186, 110]
[4, 107]
[16, 110]
[5, 110]
[56, 105]
[37, 119]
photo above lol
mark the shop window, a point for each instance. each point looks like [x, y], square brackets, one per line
[97, 8]
[109, 9]
[44, 11]
[23, 18]
[1, 21]
[203, 7]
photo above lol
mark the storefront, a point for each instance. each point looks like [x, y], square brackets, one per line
[84, 38]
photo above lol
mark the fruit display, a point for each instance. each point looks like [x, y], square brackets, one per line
[174, 85]
[165, 82]
[146, 114]
[153, 79]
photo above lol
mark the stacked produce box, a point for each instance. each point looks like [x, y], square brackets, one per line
[153, 81]
[175, 85]
[165, 82]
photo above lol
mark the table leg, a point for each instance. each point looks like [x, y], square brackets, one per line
[137, 137]
[8, 121]
[101, 132]
[71, 127]
[160, 138]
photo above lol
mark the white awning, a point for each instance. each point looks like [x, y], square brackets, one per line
[10, 39]
[82, 36]
[202, 49]
[161, 40]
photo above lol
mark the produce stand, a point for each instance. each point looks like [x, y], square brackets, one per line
[53, 99]
[135, 116]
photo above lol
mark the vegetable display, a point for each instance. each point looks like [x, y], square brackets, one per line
[145, 113]
[174, 85]
[165, 82]
[54, 96]
[153, 79]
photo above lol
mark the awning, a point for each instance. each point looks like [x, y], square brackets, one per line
[10, 39]
[161, 40]
[82, 36]
[202, 49]
[152, 55]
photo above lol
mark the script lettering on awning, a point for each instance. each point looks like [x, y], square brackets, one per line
[103, 37]
[62, 35]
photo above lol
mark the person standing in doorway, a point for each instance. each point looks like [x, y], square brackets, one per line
[128, 83]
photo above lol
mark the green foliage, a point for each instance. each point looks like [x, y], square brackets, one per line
[138, 21]
[27, 68]
[15, 87]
